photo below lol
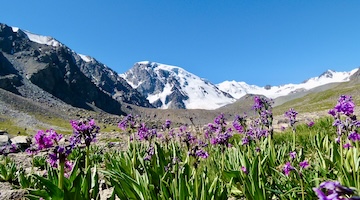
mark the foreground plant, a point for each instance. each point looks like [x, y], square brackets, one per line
[333, 190]
[84, 133]
[64, 179]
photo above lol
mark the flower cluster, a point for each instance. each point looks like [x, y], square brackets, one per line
[167, 124]
[49, 140]
[149, 153]
[287, 168]
[85, 130]
[291, 115]
[239, 123]
[197, 151]
[218, 133]
[345, 106]
[255, 132]
[333, 190]
[128, 122]
[348, 125]
[263, 106]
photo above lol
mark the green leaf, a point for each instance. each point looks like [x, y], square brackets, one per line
[52, 189]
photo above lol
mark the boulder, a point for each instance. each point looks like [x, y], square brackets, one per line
[22, 142]
[3, 132]
[4, 140]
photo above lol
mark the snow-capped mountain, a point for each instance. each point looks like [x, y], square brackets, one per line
[168, 86]
[240, 89]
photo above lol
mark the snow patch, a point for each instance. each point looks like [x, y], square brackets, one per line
[85, 58]
[40, 39]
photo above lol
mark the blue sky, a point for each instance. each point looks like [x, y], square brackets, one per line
[259, 42]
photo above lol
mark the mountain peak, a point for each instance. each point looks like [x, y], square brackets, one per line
[168, 86]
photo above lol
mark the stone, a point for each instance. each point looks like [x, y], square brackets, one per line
[4, 140]
[3, 132]
[22, 142]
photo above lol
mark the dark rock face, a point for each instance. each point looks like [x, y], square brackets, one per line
[9, 78]
[110, 82]
[149, 81]
[61, 72]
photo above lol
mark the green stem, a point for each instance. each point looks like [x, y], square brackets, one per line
[341, 152]
[32, 164]
[294, 141]
[87, 159]
[222, 162]
[61, 174]
[196, 185]
[302, 189]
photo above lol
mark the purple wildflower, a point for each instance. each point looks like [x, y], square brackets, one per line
[287, 168]
[150, 152]
[311, 124]
[238, 127]
[52, 160]
[291, 115]
[337, 139]
[292, 155]
[221, 139]
[167, 124]
[127, 122]
[345, 105]
[332, 190]
[245, 141]
[347, 146]
[32, 150]
[43, 140]
[202, 154]
[220, 120]
[332, 112]
[354, 136]
[243, 168]
[304, 164]
[85, 130]
[182, 128]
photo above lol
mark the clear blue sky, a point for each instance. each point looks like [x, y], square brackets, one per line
[259, 42]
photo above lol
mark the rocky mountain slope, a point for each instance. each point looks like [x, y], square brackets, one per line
[39, 67]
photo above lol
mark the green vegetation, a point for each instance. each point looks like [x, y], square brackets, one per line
[13, 129]
[319, 101]
[248, 161]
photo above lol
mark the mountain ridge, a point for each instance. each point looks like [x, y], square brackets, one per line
[160, 85]
[232, 89]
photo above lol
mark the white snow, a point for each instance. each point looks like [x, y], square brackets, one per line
[239, 89]
[85, 58]
[40, 39]
[162, 96]
[15, 29]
